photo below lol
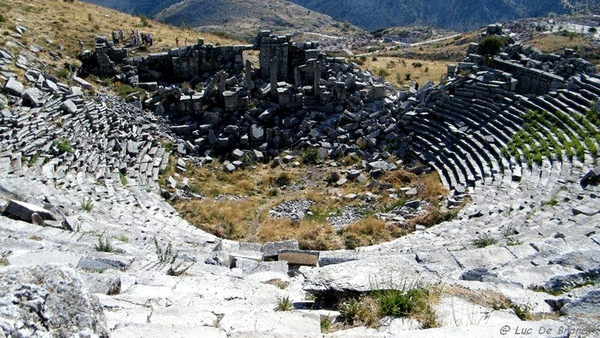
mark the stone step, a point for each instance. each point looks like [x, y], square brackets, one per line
[452, 160]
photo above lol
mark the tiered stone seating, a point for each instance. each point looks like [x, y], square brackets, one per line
[463, 135]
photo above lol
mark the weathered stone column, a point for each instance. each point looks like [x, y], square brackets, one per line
[222, 79]
[317, 82]
[297, 77]
[273, 75]
[248, 75]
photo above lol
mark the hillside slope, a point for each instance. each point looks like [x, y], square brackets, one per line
[247, 16]
[453, 14]
[147, 7]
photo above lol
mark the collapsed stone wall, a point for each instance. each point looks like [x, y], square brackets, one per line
[186, 63]
[530, 80]
[278, 52]
[535, 72]
[103, 62]
[189, 63]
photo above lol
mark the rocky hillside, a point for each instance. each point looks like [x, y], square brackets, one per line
[460, 15]
[235, 17]
[147, 7]
[247, 16]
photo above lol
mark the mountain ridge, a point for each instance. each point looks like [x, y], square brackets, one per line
[460, 15]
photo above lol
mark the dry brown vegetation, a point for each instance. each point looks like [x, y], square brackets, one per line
[236, 205]
[58, 25]
[557, 42]
[400, 71]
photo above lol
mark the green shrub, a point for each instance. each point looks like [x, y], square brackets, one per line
[490, 45]
[123, 178]
[284, 304]
[4, 260]
[166, 254]
[484, 240]
[104, 244]
[399, 303]
[63, 145]
[309, 156]
[325, 323]
[382, 72]
[124, 90]
[143, 20]
[87, 204]
[522, 311]
[351, 310]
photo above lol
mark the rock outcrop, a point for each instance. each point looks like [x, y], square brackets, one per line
[48, 300]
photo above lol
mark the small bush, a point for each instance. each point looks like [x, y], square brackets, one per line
[382, 72]
[2, 18]
[283, 179]
[165, 255]
[309, 156]
[125, 90]
[123, 178]
[104, 244]
[4, 260]
[369, 231]
[325, 323]
[399, 303]
[221, 34]
[484, 240]
[87, 204]
[352, 310]
[63, 145]
[522, 311]
[168, 145]
[490, 45]
[284, 304]
[144, 20]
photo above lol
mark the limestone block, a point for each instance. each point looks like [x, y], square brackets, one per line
[299, 257]
[14, 87]
[271, 249]
[101, 262]
[24, 211]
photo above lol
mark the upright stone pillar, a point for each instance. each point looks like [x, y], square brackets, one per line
[222, 78]
[317, 82]
[273, 76]
[297, 77]
[248, 75]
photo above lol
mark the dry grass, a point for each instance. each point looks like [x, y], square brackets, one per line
[65, 23]
[557, 42]
[432, 189]
[399, 178]
[223, 218]
[486, 298]
[496, 301]
[261, 188]
[400, 71]
[369, 231]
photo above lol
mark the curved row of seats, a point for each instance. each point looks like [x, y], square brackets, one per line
[462, 134]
